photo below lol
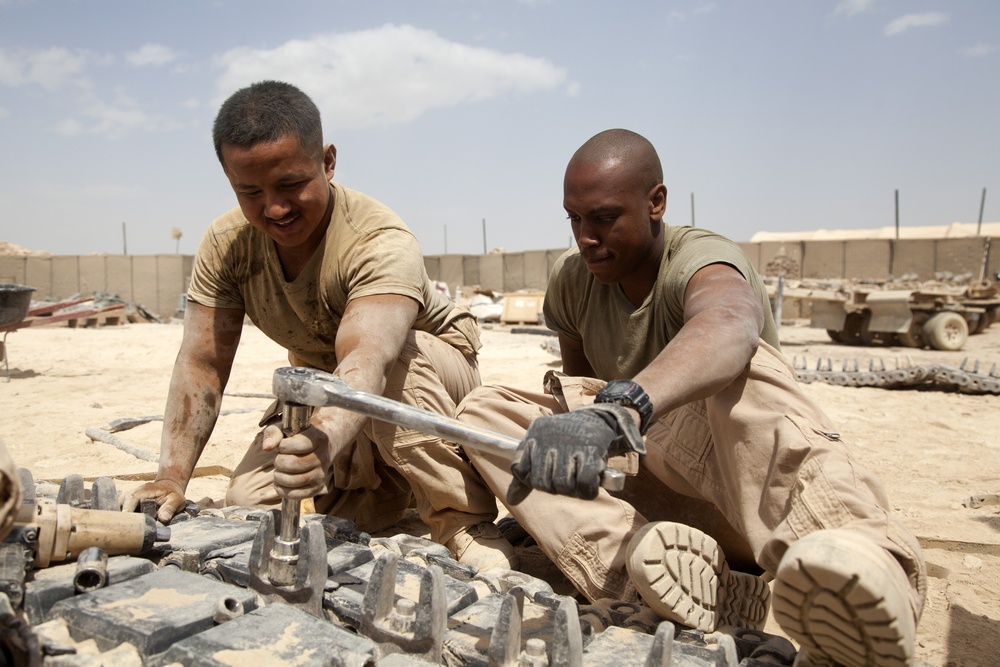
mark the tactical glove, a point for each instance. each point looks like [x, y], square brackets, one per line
[566, 453]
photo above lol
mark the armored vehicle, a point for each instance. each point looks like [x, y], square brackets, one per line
[939, 314]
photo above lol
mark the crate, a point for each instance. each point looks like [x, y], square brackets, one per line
[522, 307]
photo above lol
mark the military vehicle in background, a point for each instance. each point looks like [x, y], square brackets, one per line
[940, 314]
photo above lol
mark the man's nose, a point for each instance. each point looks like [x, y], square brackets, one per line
[276, 206]
[586, 234]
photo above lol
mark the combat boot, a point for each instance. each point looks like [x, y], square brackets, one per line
[682, 574]
[845, 600]
[483, 547]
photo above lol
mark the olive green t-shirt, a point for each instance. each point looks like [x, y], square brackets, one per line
[619, 339]
[366, 250]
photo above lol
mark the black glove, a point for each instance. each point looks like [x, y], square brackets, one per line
[566, 453]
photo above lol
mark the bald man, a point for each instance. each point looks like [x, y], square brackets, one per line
[670, 353]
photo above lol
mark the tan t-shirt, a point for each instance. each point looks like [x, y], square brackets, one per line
[619, 339]
[367, 250]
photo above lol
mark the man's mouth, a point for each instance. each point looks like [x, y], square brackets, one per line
[284, 222]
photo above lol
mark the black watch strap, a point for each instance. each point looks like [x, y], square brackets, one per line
[631, 395]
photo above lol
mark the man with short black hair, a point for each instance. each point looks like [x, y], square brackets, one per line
[670, 352]
[336, 278]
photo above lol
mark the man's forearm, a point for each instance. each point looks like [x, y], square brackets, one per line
[192, 410]
[705, 357]
[342, 426]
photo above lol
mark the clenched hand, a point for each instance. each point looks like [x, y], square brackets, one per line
[302, 462]
[566, 453]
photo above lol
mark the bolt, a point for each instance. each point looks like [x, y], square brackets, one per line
[534, 653]
[403, 615]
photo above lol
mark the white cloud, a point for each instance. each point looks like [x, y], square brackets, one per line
[150, 54]
[979, 50]
[49, 68]
[69, 127]
[904, 23]
[387, 75]
[852, 7]
[114, 120]
[678, 16]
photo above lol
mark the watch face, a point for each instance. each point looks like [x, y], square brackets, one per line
[629, 394]
[619, 388]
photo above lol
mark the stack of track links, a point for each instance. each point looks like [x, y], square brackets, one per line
[968, 378]
[202, 598]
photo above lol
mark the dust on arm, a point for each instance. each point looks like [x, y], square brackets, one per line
[200, 374]
[370, 338]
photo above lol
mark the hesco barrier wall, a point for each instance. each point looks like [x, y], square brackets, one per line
[157, 281]
[876, 259]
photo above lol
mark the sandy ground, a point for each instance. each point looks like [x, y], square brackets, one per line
[933, 450]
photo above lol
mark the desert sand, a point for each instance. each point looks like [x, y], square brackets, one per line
[933, 450]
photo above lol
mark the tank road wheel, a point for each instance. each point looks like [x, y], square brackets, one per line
[946, 331]
[915, 336]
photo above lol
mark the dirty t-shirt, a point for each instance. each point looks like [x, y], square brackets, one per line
[367, 250]
[619, 339]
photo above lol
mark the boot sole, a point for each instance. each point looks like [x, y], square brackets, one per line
[839, 597]
[682, 574]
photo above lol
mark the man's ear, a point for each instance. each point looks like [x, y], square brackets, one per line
[329, 159]
[657, 202]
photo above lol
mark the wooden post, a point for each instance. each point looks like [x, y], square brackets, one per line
[897, 214]
[982, 203]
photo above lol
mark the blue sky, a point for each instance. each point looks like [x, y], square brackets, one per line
[777, 115]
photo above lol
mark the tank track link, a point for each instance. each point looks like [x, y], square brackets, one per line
[970, 377]
[396, 600]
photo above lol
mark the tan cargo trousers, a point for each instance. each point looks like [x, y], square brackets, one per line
[760, 453]
[371, 479]
[10, 491]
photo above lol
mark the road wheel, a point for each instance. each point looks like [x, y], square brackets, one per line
[946, 331]
[915, 336]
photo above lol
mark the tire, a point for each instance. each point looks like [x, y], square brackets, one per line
[983, 320]
[870, 338]
[915, 336]
[853, 325]
[946, 331]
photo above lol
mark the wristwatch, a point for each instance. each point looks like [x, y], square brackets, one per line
[631, 395]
